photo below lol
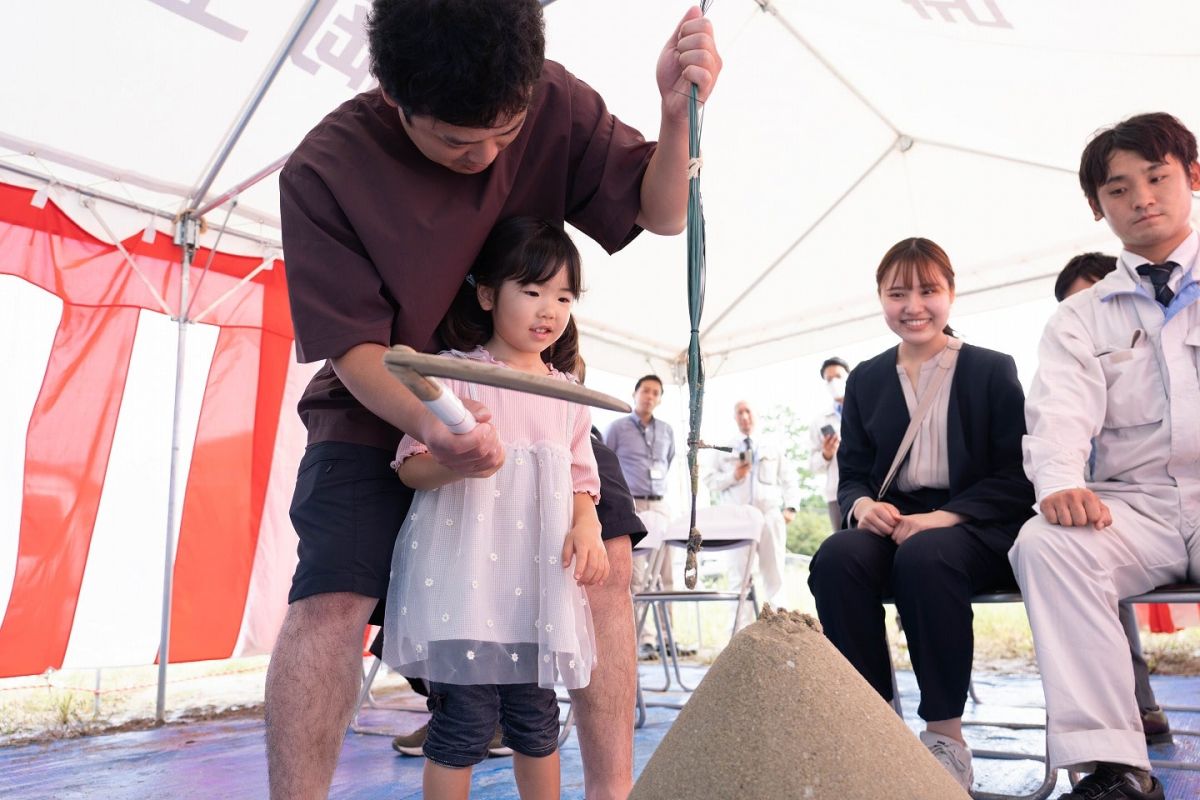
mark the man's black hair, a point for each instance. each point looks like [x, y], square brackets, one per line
[833, 361]
[1151, 136]
[645, 378]
[471, 63]
[1092, 266]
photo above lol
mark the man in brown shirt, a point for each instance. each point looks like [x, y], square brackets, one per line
[385, 205]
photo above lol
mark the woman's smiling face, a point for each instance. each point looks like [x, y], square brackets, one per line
[916, 305]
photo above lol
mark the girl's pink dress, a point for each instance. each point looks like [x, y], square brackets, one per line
[478, 592]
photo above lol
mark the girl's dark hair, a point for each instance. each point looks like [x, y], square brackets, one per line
[1151, 136]
[526, 250]
[916, 262]
[464, 62]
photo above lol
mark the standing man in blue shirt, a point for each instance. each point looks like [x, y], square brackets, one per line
[645, 447]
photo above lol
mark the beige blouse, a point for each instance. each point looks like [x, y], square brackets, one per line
[928, 464]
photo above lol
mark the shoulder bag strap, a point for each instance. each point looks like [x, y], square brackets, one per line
[945, 362]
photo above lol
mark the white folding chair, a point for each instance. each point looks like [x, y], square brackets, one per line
[724, 528]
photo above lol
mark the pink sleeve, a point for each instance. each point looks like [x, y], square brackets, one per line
[408, 448]
[585, 475]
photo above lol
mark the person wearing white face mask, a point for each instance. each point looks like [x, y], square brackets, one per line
[825, 435]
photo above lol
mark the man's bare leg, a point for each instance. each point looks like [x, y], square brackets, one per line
[313, 680]
[604, 708]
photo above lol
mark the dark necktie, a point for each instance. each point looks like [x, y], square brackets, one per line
[749, 448]
[1159, 274]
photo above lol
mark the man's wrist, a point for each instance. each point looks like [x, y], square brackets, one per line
[1052, 490]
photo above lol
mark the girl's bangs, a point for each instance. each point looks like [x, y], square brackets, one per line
[542, 260]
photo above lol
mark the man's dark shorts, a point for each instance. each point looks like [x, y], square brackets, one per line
[349, 505]
[465, 718]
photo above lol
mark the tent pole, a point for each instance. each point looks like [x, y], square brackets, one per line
[241, 186]
[185, 237]
[239, 126]
[799, 239]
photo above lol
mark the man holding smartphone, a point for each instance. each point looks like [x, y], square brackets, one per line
[825, 436]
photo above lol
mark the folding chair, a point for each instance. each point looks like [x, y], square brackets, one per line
[724, 528]
[1174, 593]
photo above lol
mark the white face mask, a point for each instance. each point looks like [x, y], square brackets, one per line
[837, 388]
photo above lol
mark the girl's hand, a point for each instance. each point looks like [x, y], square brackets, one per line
[583, 546]
[915, 523]
[877, 517]
[423, 473]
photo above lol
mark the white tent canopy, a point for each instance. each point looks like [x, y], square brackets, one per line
[837, 129]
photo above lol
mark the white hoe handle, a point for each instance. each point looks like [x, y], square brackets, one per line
[450, 410]
[444, 405]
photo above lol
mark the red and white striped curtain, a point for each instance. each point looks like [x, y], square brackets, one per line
[85, 446]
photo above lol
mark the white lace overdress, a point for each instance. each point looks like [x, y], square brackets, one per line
[478, 592]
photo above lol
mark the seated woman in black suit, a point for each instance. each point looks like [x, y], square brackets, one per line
[943, 526]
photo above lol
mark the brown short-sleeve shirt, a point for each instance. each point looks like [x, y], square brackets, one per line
[377, 238]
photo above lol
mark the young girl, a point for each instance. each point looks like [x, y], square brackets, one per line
[941, 531]
[485, 600]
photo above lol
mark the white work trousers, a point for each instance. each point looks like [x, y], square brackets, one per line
[1072, 580]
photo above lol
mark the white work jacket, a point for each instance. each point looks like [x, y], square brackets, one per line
[1117, 369]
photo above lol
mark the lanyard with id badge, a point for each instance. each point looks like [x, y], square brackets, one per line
[657, 472]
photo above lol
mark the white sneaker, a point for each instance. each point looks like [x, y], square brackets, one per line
[955, 757]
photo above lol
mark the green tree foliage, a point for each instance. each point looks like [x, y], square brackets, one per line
[810, 526]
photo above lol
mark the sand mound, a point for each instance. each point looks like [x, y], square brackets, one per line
[782, 715]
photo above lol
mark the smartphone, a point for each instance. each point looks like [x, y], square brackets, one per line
[827, 430]
[742, 456]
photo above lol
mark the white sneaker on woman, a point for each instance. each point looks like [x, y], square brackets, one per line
[952, 755]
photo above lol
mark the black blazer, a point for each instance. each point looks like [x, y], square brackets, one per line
[985, 423]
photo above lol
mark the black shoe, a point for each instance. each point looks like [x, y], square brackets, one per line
[1156, 727]
[1112, 782]
[647, 652]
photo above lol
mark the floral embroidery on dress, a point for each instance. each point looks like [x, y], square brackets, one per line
[521, 510]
